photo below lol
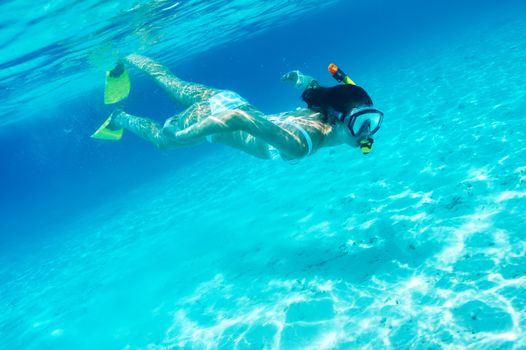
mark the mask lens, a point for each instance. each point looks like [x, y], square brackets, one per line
[361, 126]
[371, 118]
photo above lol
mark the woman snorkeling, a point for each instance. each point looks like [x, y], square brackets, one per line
[341, 114]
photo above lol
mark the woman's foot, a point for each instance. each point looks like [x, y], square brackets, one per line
[113, 117]
[117, 71]
[117, 86]
[293, 76]
[110, 129]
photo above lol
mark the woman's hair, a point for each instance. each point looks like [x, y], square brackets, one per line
[341, 98]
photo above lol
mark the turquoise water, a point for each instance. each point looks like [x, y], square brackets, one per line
[420, 245]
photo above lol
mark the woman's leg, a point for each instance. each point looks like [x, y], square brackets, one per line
[242, 141]
[192, 96]
[184, 93]
[143, 127]
[246, 120]
[150, 130]
[164, 137]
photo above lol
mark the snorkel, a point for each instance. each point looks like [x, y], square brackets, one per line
[366, 143]
[339, 75]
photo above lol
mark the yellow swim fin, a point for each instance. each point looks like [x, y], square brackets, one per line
[104, 133]
[117, 85]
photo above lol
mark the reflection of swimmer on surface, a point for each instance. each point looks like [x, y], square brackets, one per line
[341, 114]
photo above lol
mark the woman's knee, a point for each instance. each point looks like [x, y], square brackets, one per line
[165, 137]
[171, 124]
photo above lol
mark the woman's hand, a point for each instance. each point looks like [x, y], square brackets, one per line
[294, 76]
[299, 79]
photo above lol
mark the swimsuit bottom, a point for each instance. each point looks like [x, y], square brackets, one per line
[225, 100]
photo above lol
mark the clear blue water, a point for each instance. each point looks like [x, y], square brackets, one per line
[420, 245]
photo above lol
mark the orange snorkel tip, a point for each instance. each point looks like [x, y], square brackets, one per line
[333, 68]
[339, 75]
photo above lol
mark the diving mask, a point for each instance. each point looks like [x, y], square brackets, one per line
[365, 121]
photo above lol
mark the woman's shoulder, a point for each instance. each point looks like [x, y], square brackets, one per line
[304, 113]
[307, 118]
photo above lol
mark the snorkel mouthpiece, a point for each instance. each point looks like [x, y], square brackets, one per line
[366, 145]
